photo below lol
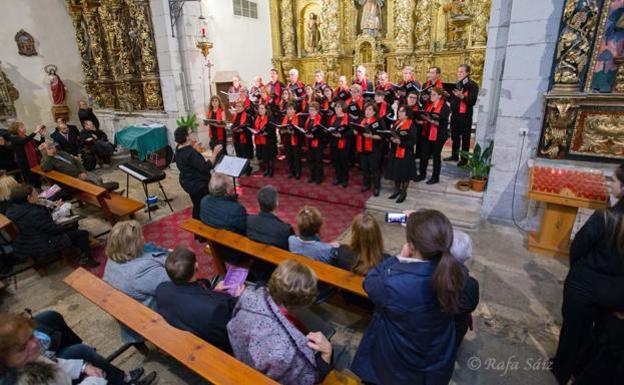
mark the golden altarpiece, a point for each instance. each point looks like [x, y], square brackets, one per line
[584, 109]
[382, 35]
[118, 54]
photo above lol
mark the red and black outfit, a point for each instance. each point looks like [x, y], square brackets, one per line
[293, 140]
[275, 95]
[319, 86]
[355, 110]
[387, 88]
[340, 140]
[217, 134]
[266, 143]
[234, 90]
[27, 156]
[433, 136]
[314, 139]
[370, 152]
[297, 90]
[407, 87]
[327, 110]
[249, 108]
[428, 86]
[241, 136]
[343, 94]
[401, 165]
[254, 92]
[367, 85]
[461, 120]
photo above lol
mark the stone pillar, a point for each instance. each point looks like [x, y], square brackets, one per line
[403, 25]
[287, 28]
[520, 85]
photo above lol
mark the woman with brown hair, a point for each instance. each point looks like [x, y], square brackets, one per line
[366, 248]
[411, 338]
[216, 111]
[594, 287]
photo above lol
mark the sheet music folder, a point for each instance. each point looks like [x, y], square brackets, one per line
[232, 166]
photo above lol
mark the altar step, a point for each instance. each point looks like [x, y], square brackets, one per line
[463, 208]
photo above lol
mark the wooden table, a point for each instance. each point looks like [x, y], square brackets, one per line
[562, 204]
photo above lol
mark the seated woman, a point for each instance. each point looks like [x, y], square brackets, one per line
[134, 267]
[46, 351]
[308, 243]
[38, 235]
[267, 335]
[411, 338]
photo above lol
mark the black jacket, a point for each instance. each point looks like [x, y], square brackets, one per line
[38, 235]
[87, 114]
[471, 99]
[196, 308]
[194, 170]
[18, 143]
[267, 228]
[592, 248]
[7, 158]
[70, 145]
[224, 213]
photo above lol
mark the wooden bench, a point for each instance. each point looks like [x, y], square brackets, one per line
[196, 354]
[334, 276]
[115, 206]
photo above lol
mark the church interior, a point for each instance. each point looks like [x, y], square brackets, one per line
[199, 131]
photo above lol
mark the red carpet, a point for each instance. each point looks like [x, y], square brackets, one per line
[166, 232]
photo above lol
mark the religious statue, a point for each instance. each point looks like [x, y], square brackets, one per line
[370, 22]
[25, 43]
[312, 34]
[56, 85]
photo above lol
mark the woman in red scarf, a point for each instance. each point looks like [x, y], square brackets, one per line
[26, 153]
[368, 145]
[314, 138]
[241, 136]
[401, 162]
[433, 136]
[216, 112]
[265, 140]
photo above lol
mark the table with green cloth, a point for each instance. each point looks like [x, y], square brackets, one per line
[143, 139]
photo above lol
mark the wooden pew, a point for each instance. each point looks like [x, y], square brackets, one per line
[206, 360]
[339, 278]
[115, 206]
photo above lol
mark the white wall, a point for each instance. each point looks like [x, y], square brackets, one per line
[50, 24]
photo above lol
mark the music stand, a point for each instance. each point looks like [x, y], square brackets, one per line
[232, 166]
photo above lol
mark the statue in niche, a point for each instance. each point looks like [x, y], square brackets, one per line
[56, 85]
[370, 22]
[312, 34]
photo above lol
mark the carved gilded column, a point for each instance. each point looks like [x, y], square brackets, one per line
[288, 28]
[96, 43]
[422, 29]
[403, 25]
[330, 26]
[83, 46]
[481, 13]
[619, 76]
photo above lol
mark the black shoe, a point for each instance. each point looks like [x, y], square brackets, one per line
[401, 197]
[319, 181]
[345, 184]
[451, 159]
[335, 182]
[376, 191]
[297, 176]
[88, 262]
[365, 188]
[311, 180]
[462, 163]
[147, 380]
[433, 180]
[419, 178]
[135, 374]
[396, 194]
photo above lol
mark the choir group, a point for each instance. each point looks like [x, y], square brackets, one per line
[371, 125]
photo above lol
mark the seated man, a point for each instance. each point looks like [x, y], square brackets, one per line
[220, 208]
[67, 137]
[192, 304]
[64, 163]
[266, 227]
[94, 141]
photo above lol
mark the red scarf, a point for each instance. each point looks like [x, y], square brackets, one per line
[259, 125]
[242, 136]
[363, 144]
[309, 125]
[463, 107]
[363, 83]
[430, 127]
[383, 107]
[216, 115]
[294, 320]
[277, 92]
[342, 142]
[32, 156]
[294, 138]
[399, 152]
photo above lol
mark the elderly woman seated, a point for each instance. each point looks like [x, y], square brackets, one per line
[267, 334]
[134, 267]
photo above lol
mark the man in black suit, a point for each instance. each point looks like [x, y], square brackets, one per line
[462, 100]
[67, 137]
[266, 227]
[192, 304]
[86, 113]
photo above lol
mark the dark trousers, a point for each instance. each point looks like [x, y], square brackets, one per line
[31, 178]
[341, 164]
[371, 168]
[293, 158]
[196, 198]
[461, 124]
[433, 150]
[66, 344]
[80, 240]
[315, 160]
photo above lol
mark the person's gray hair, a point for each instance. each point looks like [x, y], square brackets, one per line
[220, 184]
[267, 198]
[293, 71]
[461, 248]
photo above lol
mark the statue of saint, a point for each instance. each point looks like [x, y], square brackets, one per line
[313, 35]
[370, 21]
[56, 86]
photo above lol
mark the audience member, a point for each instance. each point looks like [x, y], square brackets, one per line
[266, 333]
[7, 184]
[220, 208]
[25, 148]
[65, 163]
[308, 242]
[266, 227]
[461, 250]
[94, 142]
[411, 337]
[51, 339]
[38, 236]
[366, 248]
[194, 169]
[134, 267]
[191, 304]
[7, 155]
[67, 137]
[593, 284]
[86, 113]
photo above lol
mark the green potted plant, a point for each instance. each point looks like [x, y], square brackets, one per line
[478, 163]
[189, 121]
